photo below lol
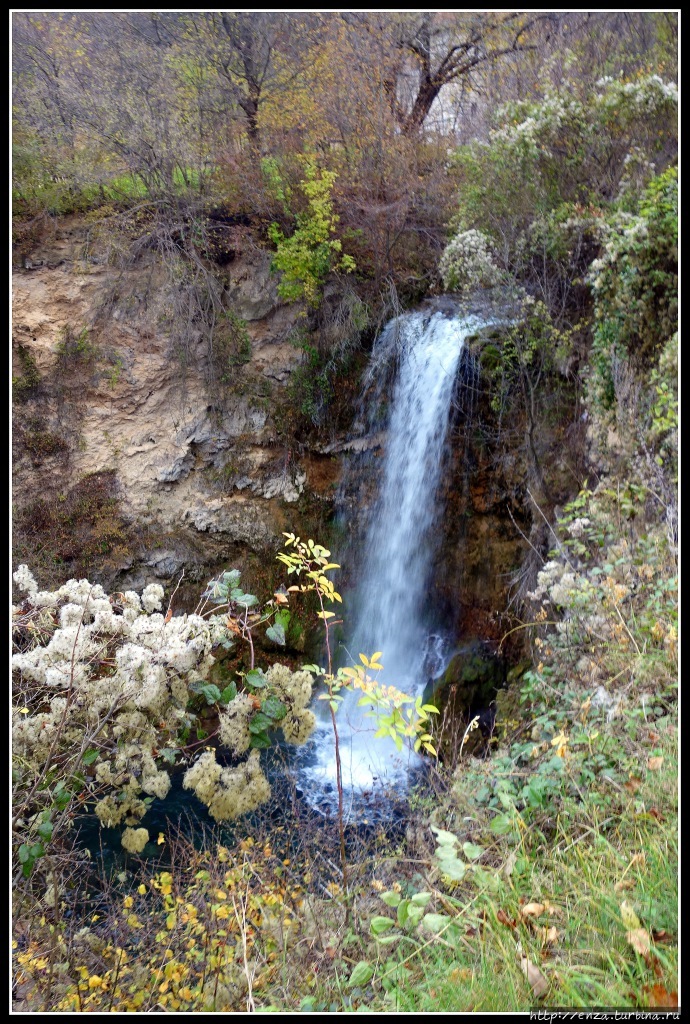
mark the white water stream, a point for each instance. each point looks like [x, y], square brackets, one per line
[394, 595]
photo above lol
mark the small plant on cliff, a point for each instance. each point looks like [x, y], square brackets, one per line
[311, 252]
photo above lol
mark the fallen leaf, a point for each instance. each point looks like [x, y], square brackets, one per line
[535, 978]
[633, 784]
[510, 922]
[661, 935]
[533, 909]
[657, 995]
[548, 936]
[639, 940]
[629, 917]
[655, 813]
[553, 909]
[625, 883]
[638, 858]
[655, 763]
[168, 616]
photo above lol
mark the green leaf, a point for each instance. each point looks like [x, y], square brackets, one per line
[259, 723]
[392, 899]
[260, 741]
[61, 796]
[211, 693]
[444, 838]
[255, 678]
[471, 851]
[361, 974]
[282, 618]
[435, 922]
[502, 824]
[246, 601]
[414, 914]
[403, 909]
[379, 924]
[420, 899]
[276, 633]
[486, 879]
[229, 693]
[45, 830]
[273, 708]
[89, 756]
[169, 754]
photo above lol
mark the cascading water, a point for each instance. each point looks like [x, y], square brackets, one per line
[391, 605]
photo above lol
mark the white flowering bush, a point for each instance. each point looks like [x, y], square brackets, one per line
[469, 262]
[553, 169]
[611, 598]
[107, 692]
[635, 284]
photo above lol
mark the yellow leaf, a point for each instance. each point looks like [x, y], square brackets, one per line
[560, 742]
[220, 895]
[142, 890]
[134, 922]
[23, 711]
[171, 921]
[95, 981]
[223, 913]
[185, 993]
[161, 838]
[365, 661]
[639, 940]
[128, 902]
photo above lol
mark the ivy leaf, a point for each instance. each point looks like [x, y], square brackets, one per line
[276, 633]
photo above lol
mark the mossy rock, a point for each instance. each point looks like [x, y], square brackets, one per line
[471, 680]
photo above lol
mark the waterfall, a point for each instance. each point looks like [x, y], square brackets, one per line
[392, 608]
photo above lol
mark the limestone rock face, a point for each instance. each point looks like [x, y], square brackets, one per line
[194, 467]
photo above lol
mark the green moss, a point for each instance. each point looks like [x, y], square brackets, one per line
[26, 385]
